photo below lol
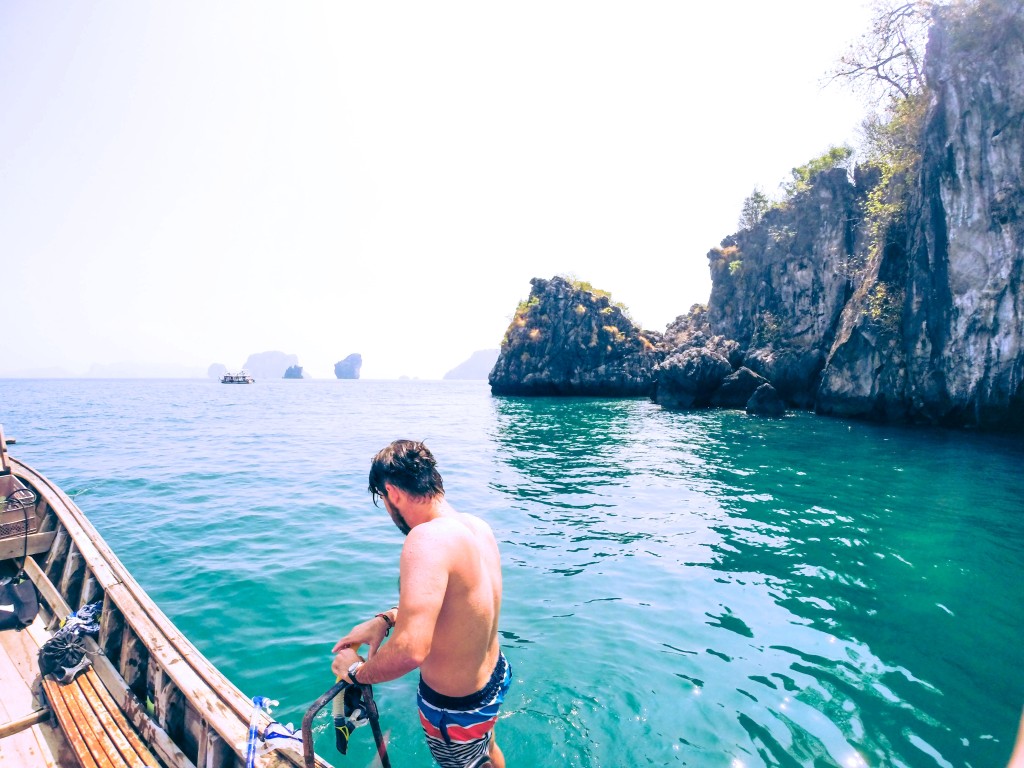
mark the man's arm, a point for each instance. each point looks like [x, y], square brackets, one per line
[424, 578]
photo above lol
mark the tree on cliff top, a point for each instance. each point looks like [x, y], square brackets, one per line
[887, 65]
[888, 59]
[754, 208]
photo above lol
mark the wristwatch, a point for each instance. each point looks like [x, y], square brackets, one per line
[352, 671]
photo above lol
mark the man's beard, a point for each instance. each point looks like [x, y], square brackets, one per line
[396, 518]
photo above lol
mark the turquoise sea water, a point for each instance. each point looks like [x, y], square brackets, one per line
[702, 589]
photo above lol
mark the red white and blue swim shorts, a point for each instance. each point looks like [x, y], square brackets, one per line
[459, 728]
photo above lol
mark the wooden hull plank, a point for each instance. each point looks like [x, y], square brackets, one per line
[28, 739]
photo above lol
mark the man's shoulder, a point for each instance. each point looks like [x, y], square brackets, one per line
[448, 528]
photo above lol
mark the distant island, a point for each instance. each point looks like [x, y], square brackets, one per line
[349, 367]
[293, 372]
[478, 366]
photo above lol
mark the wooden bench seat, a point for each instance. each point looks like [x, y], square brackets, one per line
[95, 727]
[97, 730]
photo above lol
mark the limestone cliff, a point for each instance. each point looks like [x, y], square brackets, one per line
[922, 321]
[569, 339]
[947, 345]
[779, 288]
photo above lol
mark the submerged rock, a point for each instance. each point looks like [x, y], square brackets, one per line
[737, 388]
[766, 402]
[688, 379]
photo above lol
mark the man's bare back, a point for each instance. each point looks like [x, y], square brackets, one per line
[464, 648]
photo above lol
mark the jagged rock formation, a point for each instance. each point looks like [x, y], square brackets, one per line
[293, 372]
[779, 288]
[478, 366]
[568, 339]
[349, 367]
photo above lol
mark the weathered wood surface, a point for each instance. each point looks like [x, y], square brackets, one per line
[20, 724]
[37, 544]
[95, 725]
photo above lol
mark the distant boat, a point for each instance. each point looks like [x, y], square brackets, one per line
[242, 377]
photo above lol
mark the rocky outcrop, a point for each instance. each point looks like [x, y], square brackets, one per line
[784, 282]
[478, 366]
[293, 372]
[349, 367]
[569, 339]
[778, 292]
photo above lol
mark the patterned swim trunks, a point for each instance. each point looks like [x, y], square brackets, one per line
[459, 728]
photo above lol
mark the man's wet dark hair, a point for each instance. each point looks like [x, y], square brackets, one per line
[409, 465]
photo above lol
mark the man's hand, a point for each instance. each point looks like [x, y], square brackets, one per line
[343, 659]
[371, 632]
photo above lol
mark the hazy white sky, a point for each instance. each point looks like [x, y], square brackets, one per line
[187, 183]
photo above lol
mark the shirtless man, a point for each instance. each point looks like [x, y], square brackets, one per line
[446, 621]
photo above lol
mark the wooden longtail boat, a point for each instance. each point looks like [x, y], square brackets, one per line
[182, 711]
